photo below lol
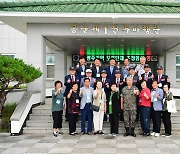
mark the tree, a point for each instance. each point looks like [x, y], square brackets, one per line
[14, 70]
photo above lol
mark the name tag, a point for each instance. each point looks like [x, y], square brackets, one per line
[77, 101]
[110, 103]
[97, 75]
[140, 100]
[58, 102]
[155, 99]
[117, 88]
[82, 73]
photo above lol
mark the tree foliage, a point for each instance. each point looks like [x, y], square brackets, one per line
[14, 70]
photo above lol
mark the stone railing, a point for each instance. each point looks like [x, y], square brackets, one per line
[21, 112]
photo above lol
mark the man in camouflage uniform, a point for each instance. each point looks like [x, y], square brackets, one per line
[128, 104]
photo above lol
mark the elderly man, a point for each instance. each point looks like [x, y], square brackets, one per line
[129, 105]
[88, 75]
[161, 78]
[140, 68]
[147, 76]
[133, 75]
[118, 80]
[86, 94]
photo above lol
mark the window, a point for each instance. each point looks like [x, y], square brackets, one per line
[177, 66]
[8, 55]
[50, 63]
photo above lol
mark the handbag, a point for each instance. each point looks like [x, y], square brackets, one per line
[94, 108]
[171, 106]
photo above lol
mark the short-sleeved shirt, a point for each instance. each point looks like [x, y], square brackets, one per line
[57, 101]
[129, 98]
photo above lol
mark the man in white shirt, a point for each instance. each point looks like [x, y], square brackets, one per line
[88, 75]
[140, 68]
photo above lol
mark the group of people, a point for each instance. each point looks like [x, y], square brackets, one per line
[127, 94]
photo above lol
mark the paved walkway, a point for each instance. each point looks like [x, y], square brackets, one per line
[87, 144]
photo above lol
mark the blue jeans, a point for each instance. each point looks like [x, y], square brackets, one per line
[86, 112]
[145, 118]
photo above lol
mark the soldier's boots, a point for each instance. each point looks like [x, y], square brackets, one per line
[132, 132]
[127, 131]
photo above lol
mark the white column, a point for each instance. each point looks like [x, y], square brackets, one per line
[69, 62]
[60, 65]
[36, 51]
[171, 67]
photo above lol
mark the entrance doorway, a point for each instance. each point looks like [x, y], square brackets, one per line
[119, 49]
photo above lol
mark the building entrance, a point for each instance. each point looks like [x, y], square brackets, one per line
[118, 52]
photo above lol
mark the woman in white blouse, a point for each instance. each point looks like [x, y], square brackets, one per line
[99, 99]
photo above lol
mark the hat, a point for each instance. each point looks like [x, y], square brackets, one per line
[159, 68]
[103, 71]
[146, 65]
[117, 72]
[72, 68]
[88, 71]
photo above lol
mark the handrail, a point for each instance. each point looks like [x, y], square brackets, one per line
[21, 112]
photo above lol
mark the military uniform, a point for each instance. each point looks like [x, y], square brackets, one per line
[130, 106]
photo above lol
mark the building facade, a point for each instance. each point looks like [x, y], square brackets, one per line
[51, 35]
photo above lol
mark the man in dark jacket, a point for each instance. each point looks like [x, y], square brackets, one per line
[97, 69]
[81, 68]
[111, 69]
[147, 76]
[161, 78]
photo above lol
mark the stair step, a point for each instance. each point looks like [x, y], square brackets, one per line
[41, 121]
[31, 130]
[47, 117]
[66, 124]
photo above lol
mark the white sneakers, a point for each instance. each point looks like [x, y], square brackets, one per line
[155, 134]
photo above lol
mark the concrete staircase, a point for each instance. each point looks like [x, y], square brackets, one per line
[40, 121]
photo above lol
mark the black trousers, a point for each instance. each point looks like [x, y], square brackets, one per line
[121, 115]
[57, 119]
[66, 114]
[72, 122]
[156, 117]
[114, 122]
[138, 110]
[167, 122]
